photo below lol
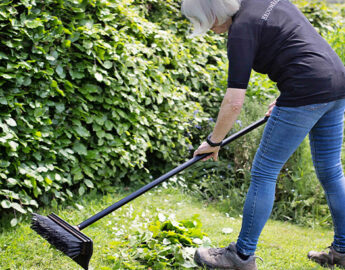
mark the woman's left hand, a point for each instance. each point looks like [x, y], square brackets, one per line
[206, 148]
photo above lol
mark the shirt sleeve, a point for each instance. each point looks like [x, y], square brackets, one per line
[242, 47]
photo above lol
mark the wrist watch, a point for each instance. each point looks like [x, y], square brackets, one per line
[213, 144]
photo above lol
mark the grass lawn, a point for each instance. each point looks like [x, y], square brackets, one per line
[282, 245]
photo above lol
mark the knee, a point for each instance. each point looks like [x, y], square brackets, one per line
[260, 175]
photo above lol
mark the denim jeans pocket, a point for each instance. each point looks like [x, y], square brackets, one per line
[314, 107]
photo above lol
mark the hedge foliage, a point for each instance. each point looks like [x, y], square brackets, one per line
[94, 93]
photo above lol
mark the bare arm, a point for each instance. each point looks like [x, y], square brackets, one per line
[229, 111]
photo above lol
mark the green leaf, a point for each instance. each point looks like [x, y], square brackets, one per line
[4, 163]
[67, 43]
[81, 190]
[8, 76]
[48, 180]
[6, 204]
[90, 88]
[14, 222]
[3, 56]
[77, 174]
[60, 107]
[80, 148]
[18, 207]
[60, 71]
[82, 132]
[62, 93]
[3, 101]
[108, 64]
[34, 203]
[33, 23]
[69, 193]
[87, 44]
[99, 76]
[11, 122]
[12, 181]
[54, 84]
[13, 145]
[88, 183]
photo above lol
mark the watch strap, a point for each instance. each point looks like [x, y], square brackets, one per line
[213, 144]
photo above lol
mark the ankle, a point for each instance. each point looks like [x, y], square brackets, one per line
[342, 251]
[242, 256]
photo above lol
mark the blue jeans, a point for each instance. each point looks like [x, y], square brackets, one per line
[284, 132]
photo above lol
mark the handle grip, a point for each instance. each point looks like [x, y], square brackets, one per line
[166, 176]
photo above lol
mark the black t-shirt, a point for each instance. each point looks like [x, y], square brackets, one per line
[273, 37]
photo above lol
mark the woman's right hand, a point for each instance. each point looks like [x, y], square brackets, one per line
[270, 108]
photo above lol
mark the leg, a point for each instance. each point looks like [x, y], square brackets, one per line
[326, 139]
[284, 131]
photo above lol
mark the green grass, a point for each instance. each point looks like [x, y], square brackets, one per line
[282, 245]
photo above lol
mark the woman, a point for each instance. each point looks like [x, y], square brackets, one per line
[273, 37]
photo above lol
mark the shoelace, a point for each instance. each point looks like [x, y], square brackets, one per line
[258, 258]
[217, 251]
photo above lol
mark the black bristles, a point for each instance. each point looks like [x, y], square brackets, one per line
[64, 237]
[56, 235]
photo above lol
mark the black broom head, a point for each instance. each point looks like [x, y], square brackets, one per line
[64, 237]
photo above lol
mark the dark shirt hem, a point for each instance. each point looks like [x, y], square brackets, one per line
[304, 102]
[237, 85]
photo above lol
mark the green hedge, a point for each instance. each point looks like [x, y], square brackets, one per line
[95, 93]
[98, 93]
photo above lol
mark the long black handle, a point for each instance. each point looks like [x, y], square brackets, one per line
[164, 177]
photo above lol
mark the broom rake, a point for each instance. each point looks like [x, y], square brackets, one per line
[78, 246]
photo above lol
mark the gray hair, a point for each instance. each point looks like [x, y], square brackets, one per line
[203, 13]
